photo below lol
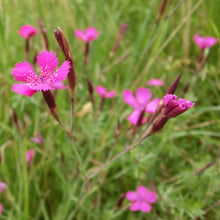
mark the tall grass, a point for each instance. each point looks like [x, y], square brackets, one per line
[56, 185]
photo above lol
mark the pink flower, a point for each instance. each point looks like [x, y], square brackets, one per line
[30, 155]
[1, 207]
[205, 42]
[141, 102]
[103, 93]
[2, 186]
[38, 139]
[141, 199]
[155, 82]
[174, 107]
[26, 31]
[23, 72]
[90, 34]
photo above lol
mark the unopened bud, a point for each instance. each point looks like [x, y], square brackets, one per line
[63, 43]
[172, 88]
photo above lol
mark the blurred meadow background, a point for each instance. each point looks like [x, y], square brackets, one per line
[180, 162]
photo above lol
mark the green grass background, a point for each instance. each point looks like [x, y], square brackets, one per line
[54, 187]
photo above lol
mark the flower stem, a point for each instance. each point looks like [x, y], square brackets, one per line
[117, 156]
[72, 116]
[26, 49]
[83, 172]
[100, 108]
[86, 52]
[25, 179]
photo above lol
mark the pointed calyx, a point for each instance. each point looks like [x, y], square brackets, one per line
[172, 88]
[63, 43]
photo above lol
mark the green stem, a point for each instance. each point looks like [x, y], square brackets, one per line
[25, 179]
[82, 170]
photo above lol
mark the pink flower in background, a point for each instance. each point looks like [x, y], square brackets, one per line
[141, 199]
[1, 207]
[134, 117]
[155, 82]
[205, 42]
[23, 72]
[174, 107]
[38, 139]
[142, 101]
[26, 31]
[30, 155]
[90, 34]
[103, 92]
[2, 186]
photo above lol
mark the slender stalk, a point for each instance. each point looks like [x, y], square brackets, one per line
[100, 108]
[25, 178]
[119, 60]
[44, 33]
[27, 49]
[86, 55]
[200, 60]
[75, 149]
[90, 89]
[116, 157]
[72, 115]
[171, 36]
[204, 167]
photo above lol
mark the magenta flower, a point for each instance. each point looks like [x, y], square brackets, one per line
[141, 199]
[155, 82]
[38, 139]
[205, 42]
[174, 107]
[30, 155]
[143, 96]
[23, 72]
[134, 117]
[1, 207]
[90, 34]
[2, 186]
[103, 92]
[27, 31]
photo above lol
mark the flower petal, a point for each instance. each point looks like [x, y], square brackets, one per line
[134, 116]
[145, 207]
[169, 97]
[206, 42]
[23, 89]
[198, 40]
[47, 62]
[151, 197]
[210, 41]
[2, 186]
[136, 206]
[61, 73]
[152, 106]
[80, 35]
[23, 72]
[155, 82]
[29, 155]
[131, 196]
[26, 31]
[58, 85]
[129, 98]
[91, 34]
[110, 94]
[39, 86]
[143, 95]
[142, 191]
[101, 91]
